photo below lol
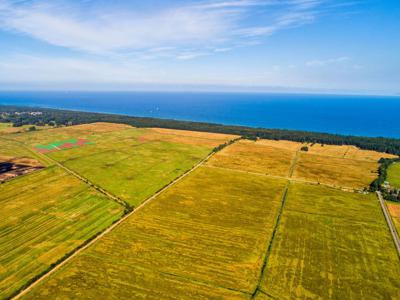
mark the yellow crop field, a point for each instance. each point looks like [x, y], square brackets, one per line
[394, 209]
[347, 151]
[337, 172]
[205, 237]
[263, 157]
[43, 216]
[331, 245]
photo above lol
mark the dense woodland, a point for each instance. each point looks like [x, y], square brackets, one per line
[19, 116]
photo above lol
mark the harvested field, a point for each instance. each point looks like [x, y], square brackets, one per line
[264, 157]
[337, 172]
[347, 151]
[128, 162]
[203, 238]
[332, 245]
[393, 175]
[394, 209]
[45, 215]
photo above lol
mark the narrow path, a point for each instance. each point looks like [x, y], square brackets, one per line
[50, 160]
[91, 184]
[389, 221]
[293, 164]
[277, 222]
[109, 229]
[269, 249]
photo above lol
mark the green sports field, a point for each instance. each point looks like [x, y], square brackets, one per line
[394, 175]
[45, 215]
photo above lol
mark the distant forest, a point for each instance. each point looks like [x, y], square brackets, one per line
[19, 116]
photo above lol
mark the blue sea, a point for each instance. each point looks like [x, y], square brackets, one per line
[349, 115]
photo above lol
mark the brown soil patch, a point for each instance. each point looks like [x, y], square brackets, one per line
[14, 167]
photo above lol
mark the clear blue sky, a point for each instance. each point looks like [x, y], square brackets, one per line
[329, 45]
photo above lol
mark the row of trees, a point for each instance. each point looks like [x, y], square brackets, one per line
[380, 184]
[64, 117]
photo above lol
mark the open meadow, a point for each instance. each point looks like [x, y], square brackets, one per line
[393, 175]
[332, 244]
[44, 216]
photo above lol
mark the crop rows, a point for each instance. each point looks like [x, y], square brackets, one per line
[44, 216]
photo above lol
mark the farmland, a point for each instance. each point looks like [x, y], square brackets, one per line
[259, 219]
[237, 214]
[130, 163]
[336, 172]
[394, 209]
[45, 215]
[331, 244]
[394, 175]
[258, 157]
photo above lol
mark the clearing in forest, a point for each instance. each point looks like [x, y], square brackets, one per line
[44, 216]
[331, 244]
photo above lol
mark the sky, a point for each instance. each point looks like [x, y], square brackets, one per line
[346, 46]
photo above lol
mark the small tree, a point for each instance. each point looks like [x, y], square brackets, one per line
[304, 148]
[32, 128]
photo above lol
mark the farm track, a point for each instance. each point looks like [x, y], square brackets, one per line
[389, 221]
[109, 229]
[269, 249]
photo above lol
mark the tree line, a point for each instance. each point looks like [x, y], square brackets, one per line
[56, 117]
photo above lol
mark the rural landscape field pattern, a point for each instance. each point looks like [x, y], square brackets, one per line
[253, 220]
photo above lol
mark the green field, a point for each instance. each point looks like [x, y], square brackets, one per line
[44, 216]
[393, 176]
[130, 163]
[332, 245]
[208, 234]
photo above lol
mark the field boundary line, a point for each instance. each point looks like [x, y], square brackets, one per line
[389, 221]
[344, 189]
[89, 243]
[269, 248]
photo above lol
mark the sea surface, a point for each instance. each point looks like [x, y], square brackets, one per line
[349, 115]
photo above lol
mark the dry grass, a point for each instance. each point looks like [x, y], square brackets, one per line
[337, 172]
[259, 157]
[345, 151]
[281, 144]
[205, 238]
